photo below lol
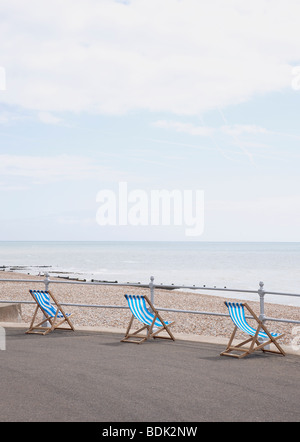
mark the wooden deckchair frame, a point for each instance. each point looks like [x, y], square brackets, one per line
[255, 344]
[40, 328]
[137, 338]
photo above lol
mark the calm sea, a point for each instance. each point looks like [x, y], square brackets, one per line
[231, 265]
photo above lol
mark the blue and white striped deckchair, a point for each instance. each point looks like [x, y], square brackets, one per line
[52, 312]
[260, 336]
[149, 317]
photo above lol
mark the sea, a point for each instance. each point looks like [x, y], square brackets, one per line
[233, 265]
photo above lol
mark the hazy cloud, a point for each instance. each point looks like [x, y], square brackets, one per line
[55, 168]
[188, 128]
[183, 57]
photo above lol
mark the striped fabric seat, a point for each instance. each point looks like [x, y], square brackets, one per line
[54, 315]
[237, 314]
[260, 338]
[138, 307]
[43, 299]
[149, 317]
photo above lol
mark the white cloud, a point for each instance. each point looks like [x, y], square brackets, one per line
[268, 218]
[239, 129]
[76, 221]
[206, 131]
[48, 118]
[7, 117]
[55, 168]
[11, 188]
[188, 128]
[183, 56]
[286, 206]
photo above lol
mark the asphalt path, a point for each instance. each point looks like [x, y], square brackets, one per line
[93, 377]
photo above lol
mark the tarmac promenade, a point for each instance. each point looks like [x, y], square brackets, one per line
[85, 376]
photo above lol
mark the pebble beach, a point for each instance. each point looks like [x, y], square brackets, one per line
[184, 323]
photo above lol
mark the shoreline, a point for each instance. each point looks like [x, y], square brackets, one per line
[185, 323]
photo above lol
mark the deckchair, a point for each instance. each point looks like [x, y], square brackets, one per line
[53, 314]
[149, 317]
[259, 337]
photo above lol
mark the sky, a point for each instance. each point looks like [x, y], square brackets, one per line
[184, 95]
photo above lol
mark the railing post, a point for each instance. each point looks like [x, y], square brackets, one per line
[151, 285]
[261, 293]
[262, 316]
[46, 281]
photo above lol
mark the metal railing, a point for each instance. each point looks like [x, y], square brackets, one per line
[260, 292]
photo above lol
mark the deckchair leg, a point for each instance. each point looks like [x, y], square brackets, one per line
[129, 326]
[66, 317]
[164, 327]
[149, 317]
[38, 328]
[228, 349]
[46, 330]
[236, 312]
[274, 341]
[271, 341]
[272, 338]
[33, 318]
[239, 347]
[128, 335]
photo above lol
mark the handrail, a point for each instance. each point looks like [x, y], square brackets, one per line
[261, 292]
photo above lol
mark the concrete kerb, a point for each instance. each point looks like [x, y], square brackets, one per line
[10, 312]
[179, 336]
